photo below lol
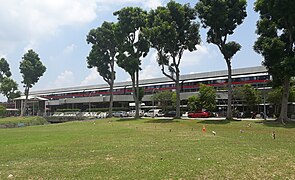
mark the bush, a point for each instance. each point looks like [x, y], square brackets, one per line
[2, 111]
[22, 122]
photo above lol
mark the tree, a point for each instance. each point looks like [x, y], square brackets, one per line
[222, 17]
[2, 111]
[206, 99]
[132, 45]
[164, 97]
[4, 69]
[9, 88]
[31, 69]
[248, 95]
[102, 55]
[193, 103]
[275, 97]
[276, 30]
[171, 31]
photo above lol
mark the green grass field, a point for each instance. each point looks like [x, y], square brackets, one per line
[148, 149]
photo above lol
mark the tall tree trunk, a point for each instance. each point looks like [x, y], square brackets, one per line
[137, 96]
[284, 107]
[111, 88]
[24, 105]
[229, 114]
[177, 86]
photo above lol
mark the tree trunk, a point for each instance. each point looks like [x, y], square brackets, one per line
[24, 105]
[284, 107]
[177, 86]
[111, 89]
[137, 96]
[133, 78]
[229, 114]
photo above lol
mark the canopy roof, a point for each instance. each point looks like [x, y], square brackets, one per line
[31, 98]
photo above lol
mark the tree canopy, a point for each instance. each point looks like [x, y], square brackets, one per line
[172, 30]
[205, 99]
[221, 18]
[4, 69]
[164, 97]
[248, 95]
[9, 88]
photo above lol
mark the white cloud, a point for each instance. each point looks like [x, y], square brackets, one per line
[32, 20]
[70, 48]
[194, 58]
[2, 55]
[92, 78]
[65, 79]
[31, 45]
[152, 4]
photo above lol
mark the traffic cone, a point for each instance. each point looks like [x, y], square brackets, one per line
[204, 129]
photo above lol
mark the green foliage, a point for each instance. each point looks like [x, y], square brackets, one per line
[2, 111]
[276, 29]
[205, 99]
[164, 97]
[4, 69]
[221, 17]
[275, 95]
[248, 95]
[13, 122]
[172, 30]
[193, 103]
[207, 96]
[9, 88]
[31, 68]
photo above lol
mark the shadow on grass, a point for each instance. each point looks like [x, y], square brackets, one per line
[289, 124]
[127, 119]
[214, 122]
[162, 121]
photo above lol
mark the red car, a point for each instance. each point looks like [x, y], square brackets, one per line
[199, 114]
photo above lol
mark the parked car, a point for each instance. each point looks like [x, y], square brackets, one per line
[170, 114]
[154, 113]
[132, 113]
[199, 114]
[120, 114]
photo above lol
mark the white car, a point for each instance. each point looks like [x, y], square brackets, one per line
[155, 113]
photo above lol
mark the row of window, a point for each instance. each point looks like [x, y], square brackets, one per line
[193, 86]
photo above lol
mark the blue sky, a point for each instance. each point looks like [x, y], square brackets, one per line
[57, 29]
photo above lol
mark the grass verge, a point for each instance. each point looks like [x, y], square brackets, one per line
[148, 149]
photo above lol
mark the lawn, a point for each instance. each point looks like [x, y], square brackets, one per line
[148, 149]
